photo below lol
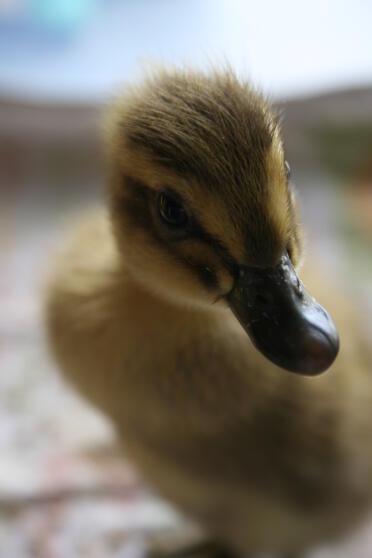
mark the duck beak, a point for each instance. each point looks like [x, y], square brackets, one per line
[283, 320]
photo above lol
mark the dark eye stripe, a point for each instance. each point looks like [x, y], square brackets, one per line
[138, 205]
[199, 233]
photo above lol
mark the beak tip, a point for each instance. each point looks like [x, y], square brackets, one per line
[319, 352]
[289, 328]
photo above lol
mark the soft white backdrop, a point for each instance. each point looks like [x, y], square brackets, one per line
[288, 46]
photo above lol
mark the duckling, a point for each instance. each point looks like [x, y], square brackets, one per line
[176, 312]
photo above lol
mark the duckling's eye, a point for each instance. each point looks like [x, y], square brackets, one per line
[288, 170]
[171, 210]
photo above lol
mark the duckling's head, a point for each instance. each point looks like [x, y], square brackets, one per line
[203, 210]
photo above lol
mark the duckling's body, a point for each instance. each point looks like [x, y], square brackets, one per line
[264, 459]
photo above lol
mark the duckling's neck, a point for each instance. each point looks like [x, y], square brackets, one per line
[198, 357]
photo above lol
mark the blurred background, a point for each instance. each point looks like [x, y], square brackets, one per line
[63, 490]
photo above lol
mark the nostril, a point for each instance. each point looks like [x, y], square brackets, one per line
[298, 288]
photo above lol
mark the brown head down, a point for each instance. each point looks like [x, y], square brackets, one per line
[211, 144]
